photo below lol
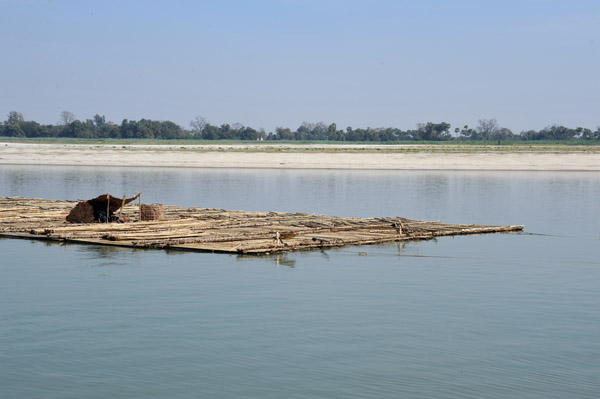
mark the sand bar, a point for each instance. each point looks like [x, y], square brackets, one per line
[302, 156]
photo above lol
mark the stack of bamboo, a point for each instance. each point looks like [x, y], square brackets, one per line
[218, 230]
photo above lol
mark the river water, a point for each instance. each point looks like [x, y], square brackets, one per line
[491, 316]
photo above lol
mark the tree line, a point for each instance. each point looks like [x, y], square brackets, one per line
[99, 128]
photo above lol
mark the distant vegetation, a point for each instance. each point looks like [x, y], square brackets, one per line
[99, 128]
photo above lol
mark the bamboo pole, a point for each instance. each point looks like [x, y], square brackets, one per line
[200, 229]
[122, 208]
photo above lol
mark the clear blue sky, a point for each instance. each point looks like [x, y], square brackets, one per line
[268, 63]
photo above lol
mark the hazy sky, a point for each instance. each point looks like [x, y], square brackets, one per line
[268, 63]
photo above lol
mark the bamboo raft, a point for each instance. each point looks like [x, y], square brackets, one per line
[218, 230]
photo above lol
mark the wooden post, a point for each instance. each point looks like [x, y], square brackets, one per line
[122, 206]
[140, 197]
[107, 207]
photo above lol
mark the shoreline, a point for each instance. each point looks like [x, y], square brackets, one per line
[305, 156]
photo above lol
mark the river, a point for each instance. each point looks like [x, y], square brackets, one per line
[490, 316]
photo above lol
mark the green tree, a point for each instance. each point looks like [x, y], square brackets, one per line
[434, 131]
[283, 133]
[76, 129]
[99, 120]
[556, 132]
[585, 134]
[13, 130]
[109, 130]
[15, 117]
[32, 129]
[210, 132]
[502, 134]
[469, 134]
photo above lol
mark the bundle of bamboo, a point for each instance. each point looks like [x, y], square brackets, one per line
[218, 230]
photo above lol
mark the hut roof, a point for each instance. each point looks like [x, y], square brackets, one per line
[103, 201]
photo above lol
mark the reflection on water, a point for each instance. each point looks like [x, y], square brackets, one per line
[94, 251]
[117, 254]
[284, 259]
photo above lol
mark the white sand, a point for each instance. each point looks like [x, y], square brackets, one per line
[316, 156]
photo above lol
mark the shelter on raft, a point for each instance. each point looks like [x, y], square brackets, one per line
[104, 209]
[215, 230]
[99, 209]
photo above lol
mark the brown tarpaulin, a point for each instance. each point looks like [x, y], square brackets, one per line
[101, 202]
[88, 211]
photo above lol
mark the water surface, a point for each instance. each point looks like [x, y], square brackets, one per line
[492, 316]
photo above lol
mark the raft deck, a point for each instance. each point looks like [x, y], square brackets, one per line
[218, 230]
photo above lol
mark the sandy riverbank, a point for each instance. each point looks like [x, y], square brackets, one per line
[314, 156]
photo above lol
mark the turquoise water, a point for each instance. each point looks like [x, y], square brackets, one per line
[493, 316]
